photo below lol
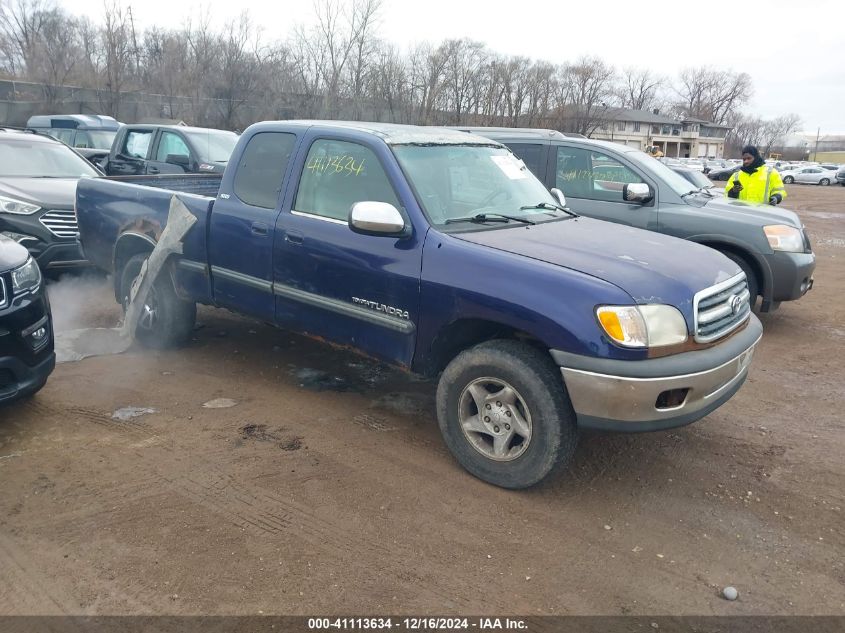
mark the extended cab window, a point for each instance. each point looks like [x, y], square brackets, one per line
[532, 155]
[137, 143]
[170, 144]
[338, 174]
[582, 173]
[262, 167]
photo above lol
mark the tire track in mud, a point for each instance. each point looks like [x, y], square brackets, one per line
[249, 508]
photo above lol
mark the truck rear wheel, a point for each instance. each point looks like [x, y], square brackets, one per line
[166, 320]
[505, 415]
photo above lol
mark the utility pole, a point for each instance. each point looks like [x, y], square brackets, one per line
[816, 150]
[134, 42]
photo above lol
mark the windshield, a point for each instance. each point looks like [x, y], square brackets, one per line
[696, 178]
[460, 181]
[94, 139]
[21, 159]
[213, 146]
[676, 182]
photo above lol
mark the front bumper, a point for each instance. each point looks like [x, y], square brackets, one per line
[792, 275]
[49, 250]
[631, 396]
[17, 379]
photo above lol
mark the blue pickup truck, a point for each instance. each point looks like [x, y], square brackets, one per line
[439, 251]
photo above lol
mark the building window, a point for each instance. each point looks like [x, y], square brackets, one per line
[667, 129]
[620, 126]
[655, 129]
[636, 127]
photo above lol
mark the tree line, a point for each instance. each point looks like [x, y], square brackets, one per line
[341, 67]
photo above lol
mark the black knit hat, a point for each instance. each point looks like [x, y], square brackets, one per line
[750, 149]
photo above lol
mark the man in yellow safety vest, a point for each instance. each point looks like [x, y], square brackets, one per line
[755, 181]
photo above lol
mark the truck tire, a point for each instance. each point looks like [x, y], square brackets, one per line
[167, 321]
[750, 275]
[505, 415]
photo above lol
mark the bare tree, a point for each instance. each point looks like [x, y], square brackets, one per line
[117, 37]
[58, 54]
[777, 129]
[712, 95]
[639, 89]
[586, 92]
[21, 30]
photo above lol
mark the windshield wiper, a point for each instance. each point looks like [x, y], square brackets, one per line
[481, 218]
[549, 206]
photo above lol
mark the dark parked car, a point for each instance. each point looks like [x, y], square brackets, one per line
[91, 135]
[38, 176]
[840, 176]
[724, 173]
[26, 329]
[169, 149]
[698, 179]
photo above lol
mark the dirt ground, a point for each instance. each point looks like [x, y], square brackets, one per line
[326, 488]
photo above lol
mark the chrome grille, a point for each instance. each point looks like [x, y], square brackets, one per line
[3, 297]
[61, 223]
[721, 309]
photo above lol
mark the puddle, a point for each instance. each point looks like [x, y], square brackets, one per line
[220, 403]
[128, 413]
[75, 345]
[319, 380]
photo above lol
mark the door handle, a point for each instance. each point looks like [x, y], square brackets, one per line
[294, 237]
[259, 228]
[153, 170]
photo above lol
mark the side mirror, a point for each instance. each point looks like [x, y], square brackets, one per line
[376, 218]
[636, 192]
[178, 159]
[558, 194]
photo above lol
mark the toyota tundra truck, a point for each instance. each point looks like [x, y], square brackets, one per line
[439, 251]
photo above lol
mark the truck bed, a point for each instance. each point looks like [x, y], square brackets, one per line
[108, 208]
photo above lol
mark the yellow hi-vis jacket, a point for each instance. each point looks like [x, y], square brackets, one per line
[759, 186]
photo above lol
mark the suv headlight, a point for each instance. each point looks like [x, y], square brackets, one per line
[10, 205]
[784, 238]
[643, 326]
[27, 278]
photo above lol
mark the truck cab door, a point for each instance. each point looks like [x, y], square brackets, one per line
[330, 282]
[170, 155]
[130, 159]
[593, 181]
[241, 228]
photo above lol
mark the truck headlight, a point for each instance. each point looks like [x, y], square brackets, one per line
[784, 238]
[650, 325]
[10, 205]
[27, 278]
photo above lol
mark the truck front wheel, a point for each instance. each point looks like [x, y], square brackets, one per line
[505, 414]
[166, 320]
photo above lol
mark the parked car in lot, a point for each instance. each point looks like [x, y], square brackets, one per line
[26, 329]
[169, 149]
[840, 176]
[697, 179]
[440, 252]
[38, 177]
[723, 173]
[768, 243]
[812, 175]
[91, 135]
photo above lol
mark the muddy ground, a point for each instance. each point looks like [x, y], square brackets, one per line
[327, 488]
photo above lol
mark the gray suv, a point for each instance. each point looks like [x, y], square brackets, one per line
[622, 184]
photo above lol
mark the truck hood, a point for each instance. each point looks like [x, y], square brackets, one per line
[12, 254]
[651, 267]
[51, 193]
[763, 213]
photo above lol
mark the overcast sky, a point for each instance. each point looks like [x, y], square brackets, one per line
[794, 51]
